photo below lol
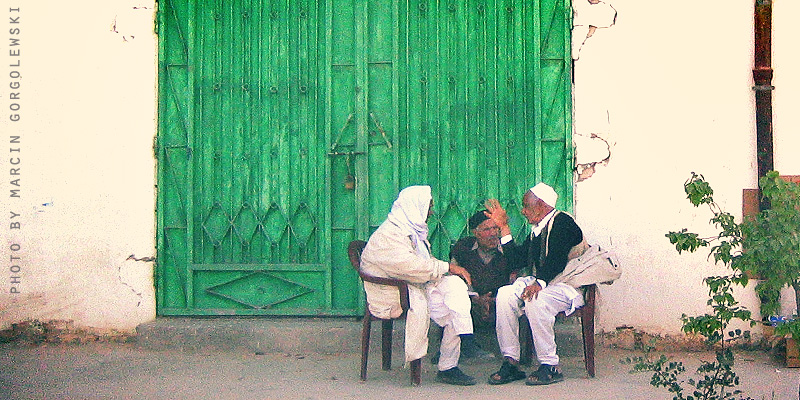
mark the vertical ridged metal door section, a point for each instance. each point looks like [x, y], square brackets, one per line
[287, 127]
[486, 105]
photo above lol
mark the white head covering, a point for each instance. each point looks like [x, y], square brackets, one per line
[410, 211]
[545, 193]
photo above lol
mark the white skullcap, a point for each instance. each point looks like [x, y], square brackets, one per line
[545, 193]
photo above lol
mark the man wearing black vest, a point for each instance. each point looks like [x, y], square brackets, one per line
[482, 256]
[545, 253]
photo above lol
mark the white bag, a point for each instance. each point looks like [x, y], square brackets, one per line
[595, 265]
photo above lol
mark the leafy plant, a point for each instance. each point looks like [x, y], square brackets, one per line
[771, 240]
[789, 328]
[724, 248]
[717, 379]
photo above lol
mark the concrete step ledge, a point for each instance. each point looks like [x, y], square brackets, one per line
[298, 335]
[268, 335]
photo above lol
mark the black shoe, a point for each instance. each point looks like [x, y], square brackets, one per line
[454, 376]
[435, 357]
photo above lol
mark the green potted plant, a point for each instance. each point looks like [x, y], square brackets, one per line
[789, 329]
[771, 243]
[771, 240]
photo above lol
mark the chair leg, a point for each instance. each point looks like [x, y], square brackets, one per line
[365, 331]
[587, 323]
[386, 343]
[525, 341]
[416, 372]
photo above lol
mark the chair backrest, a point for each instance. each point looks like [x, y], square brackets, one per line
[354, 250]
[354, 253]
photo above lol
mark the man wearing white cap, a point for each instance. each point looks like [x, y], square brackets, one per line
[554, 238]
[399, 249]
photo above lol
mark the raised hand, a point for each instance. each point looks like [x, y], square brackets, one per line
[496, 213]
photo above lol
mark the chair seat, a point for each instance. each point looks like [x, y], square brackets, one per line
[354, 250]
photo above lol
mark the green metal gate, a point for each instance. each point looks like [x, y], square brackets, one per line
[286, 129]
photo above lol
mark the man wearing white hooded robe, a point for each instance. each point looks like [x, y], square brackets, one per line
[399, 249]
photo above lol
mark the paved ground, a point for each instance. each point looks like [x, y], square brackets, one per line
[128, 371]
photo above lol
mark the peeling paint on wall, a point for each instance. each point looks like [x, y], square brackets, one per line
[592, 149]
[586, 169]
[587, 16]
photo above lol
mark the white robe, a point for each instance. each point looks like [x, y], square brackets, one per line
[391, 253]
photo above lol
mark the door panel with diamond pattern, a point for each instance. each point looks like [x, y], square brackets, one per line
[286, 129]
[242, 197]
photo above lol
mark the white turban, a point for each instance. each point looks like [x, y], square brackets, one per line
[546, 193]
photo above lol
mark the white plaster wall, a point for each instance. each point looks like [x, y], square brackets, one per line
[88, 74]
[669, 86]
[786, 61]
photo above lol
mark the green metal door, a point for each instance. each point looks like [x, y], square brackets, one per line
[286, 129]
[486, 108]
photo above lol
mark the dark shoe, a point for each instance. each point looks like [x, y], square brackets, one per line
[454, 376]
[508, 373]
[471, 351]
[435, 357]
[545, 375]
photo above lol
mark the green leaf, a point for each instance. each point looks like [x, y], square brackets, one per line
[698, 191]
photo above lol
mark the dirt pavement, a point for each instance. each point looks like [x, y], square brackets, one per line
[124, 371]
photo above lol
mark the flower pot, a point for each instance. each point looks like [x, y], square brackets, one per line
[753, 276]
[768, 331]
[792, 353]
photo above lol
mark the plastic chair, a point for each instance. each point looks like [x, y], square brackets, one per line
[354, 253]
[586, 314]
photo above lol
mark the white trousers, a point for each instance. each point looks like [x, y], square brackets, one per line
[445, 302]
[541, 313]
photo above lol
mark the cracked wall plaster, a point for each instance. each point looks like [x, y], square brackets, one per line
[593, 147]
[125, 280]
[587, 16]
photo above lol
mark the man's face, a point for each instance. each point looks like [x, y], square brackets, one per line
[430, 211]
[488, 235]
[532, 208]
